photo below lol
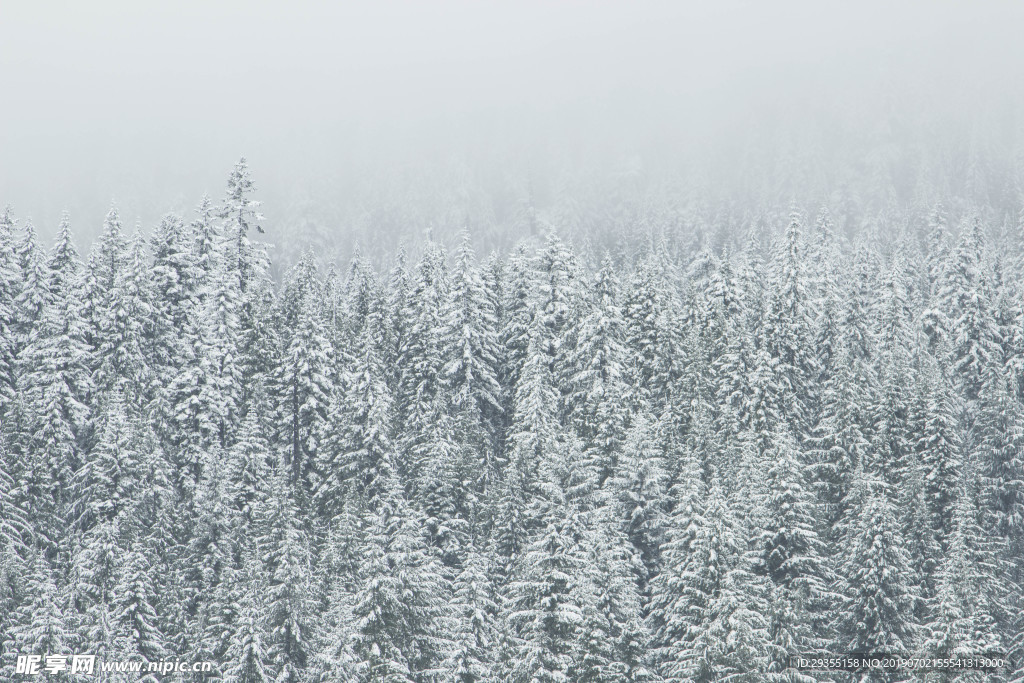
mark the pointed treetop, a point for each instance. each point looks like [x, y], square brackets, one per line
[238, 204]
[825, 225]
[64, 249]
[7, 221]
[205, 208]
[112, 221]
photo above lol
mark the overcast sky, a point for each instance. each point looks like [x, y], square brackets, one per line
[150, 104]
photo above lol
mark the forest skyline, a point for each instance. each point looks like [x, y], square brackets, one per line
[685, 466]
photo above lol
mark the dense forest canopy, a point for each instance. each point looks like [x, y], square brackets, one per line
[680, 448]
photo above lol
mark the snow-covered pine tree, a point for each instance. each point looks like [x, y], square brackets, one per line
[998, 442]
[401, 623]
[395, 308]
[182, 401]
[175, 277]
[970, 594]
[472, 657]
[338, 576]
[518, 307]
[360, 293]
[937, 415]
[762, 410]
[421, 388]
[890, 416]
[303, 385]
[15, 538]
[54, 379]
[206, 236]
[532, 439]
[10, 284]
[923, 542]
[648, 335]
[31, 296]
[106, 262]
[448, 487]
[709, 608]
[938, 249]
[794, 557]
[878, 599]
[239, 214]
[839, 442]
[638, 493]
[599, 391]
[787, 327]
[559, 308]
[546, 607]
[217, 372]
[284, 548]
[102, 485]
[247, 474]
[132, 608]
[826, 331]
[246, 659]
[966, 294]
[210, 591]
[125, 335]
[42, 624]
[358, 454]
[670, 611]
[614, 644]
[95, 568]
[471, 362]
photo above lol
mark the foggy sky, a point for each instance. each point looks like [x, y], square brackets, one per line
[150, 104]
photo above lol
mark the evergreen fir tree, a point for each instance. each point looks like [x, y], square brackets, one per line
[54, 378]
[547, 613]
[516, 322]
[938, 444]
[794, 557]
[248, 476]
[102, 484]
[839, 442]
[217, 374]
[175, 277]
[787, 326]
[640, 497]
[247, 655]
[970, 593]
[647, 335]
[358, 455]
[31, 297]
[709, 607]
[286, 556]
[999, 440]
[240, 214]
[401, 624]
[974, 335]
[421, 358]
[10, 283]
[472, 655]
[599, 391]
[41, 625]
[132, 608]
[123, 343]
[471, 348]
[878, 608]
[304, 385]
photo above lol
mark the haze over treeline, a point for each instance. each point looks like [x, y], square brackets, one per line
[367, 125]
